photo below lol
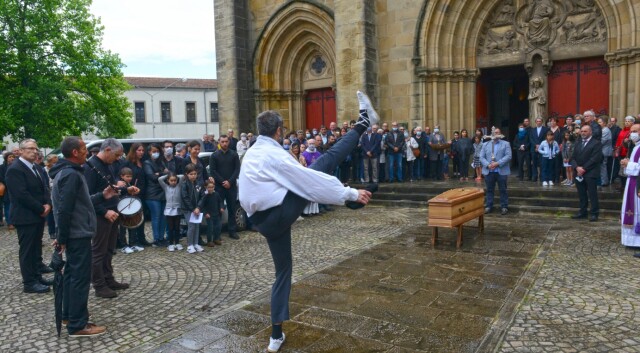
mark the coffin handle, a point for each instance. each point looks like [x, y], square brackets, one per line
[461, 209]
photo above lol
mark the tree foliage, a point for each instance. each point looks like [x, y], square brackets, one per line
[56, 79]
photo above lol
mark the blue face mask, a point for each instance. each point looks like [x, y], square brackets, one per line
[308, 136]
[419, 133]
[521, 129]
[286, 147]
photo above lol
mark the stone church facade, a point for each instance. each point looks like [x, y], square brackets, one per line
[454, 63]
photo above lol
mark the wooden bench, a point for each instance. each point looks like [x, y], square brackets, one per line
[453, 208]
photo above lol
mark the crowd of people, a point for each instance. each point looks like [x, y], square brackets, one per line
[183, 195]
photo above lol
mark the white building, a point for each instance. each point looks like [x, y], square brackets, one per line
[173, 107]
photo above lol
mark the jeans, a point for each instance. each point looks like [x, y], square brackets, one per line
[418, 168]
[156, 208]
[214, 228]
[275, 225]
[395, 159]
[548, 169]
[490, 180]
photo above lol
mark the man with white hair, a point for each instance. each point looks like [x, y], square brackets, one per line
[590, 119]
[495, 158]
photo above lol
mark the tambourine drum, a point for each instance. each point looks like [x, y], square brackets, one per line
[131, 213]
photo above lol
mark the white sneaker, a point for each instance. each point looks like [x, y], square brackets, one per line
[171, 248]
[199, 248]
[137, 248]
[544, 183]
[127, 250]
[551, 183]
[365, 103]
[179, 247]
[275, 344]
[191, 249]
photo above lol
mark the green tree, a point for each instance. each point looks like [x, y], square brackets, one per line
[56, 79]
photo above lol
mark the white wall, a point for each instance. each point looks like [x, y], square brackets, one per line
[178, 97]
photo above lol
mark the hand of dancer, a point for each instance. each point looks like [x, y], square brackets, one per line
[363, 196]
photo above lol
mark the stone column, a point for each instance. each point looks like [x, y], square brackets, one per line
[356, 55]
[624, 66]
[235, 101]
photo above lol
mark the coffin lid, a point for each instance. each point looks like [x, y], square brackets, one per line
[456, 196]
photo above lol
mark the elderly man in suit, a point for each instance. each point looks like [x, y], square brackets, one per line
[395, 142]
[495, 158]
[30, 205]
[586, 160]
[371, 148]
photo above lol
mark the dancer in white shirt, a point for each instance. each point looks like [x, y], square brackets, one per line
[274, 189]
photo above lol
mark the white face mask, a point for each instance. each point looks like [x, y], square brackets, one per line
[155, 155]
[243, 138]
[168, 151]
[436, 130]
[635, 137]
[311, 148]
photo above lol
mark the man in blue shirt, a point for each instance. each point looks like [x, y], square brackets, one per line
[495, 158]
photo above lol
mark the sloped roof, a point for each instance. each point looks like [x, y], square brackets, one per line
[162, 82]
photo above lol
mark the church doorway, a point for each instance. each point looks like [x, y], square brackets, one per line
[502, 98]
[320, 107]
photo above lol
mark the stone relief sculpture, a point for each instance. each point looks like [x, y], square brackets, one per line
[537, 99]
[497, 43]
[506, 14]
[538, 18]
[585, 29]
[580, 5]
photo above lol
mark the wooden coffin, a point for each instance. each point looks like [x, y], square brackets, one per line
[455, 207]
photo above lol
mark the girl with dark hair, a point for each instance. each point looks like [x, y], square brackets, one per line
[190, 195]
[172, 212]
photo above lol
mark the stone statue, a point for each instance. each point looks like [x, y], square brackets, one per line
[580, 5]
[506, 13]
[497, 43]
[538, 18]
[537, 99]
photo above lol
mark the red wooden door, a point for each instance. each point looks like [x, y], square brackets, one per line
[578, 85]
[320, 107]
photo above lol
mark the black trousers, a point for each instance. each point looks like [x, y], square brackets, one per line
[535, 164]
[102, 247]
[524, 159]
[275, 225]
[30, 252]
[230, 196]
[588, 188]
[77, 276]
[463, 166]
[173, 227]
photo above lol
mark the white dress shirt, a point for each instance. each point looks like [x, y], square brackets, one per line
[268, 172]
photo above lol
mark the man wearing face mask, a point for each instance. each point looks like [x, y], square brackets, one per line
[495, 158]
[629, 214]
[171, 162]
[285, 189]
[436, 154]
[286, 144]
[311, 154]
[421, 139]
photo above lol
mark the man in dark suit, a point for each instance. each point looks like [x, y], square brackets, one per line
[395, 142]
[586, 160]
[30, 205]
[224, 166]
[233, 142]
[371, 149]
[537, 134]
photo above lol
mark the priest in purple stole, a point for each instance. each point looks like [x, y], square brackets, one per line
[630, 214]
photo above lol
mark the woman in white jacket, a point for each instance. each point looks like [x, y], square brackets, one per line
[409, 144]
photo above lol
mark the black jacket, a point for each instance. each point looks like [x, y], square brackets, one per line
[224, 166]
[190, 193]
[588, 157]
[97, 183]
[534, 138]
[211, 204]
[463, 148]
[139, 178]
[203, 175]
[153, 171]
[397, 142]
[73, 207]
[28, 192]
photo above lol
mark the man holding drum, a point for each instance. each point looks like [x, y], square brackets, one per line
[99, 173]
[71, 198]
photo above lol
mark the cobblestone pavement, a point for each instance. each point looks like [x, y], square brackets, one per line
[585, 297]
[169, 291]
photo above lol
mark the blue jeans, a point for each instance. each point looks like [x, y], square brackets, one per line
[418, 168]
[214, 228]
[395, 159]
[490, 180]
[548, 169]
[158, 223]
[7, 206]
